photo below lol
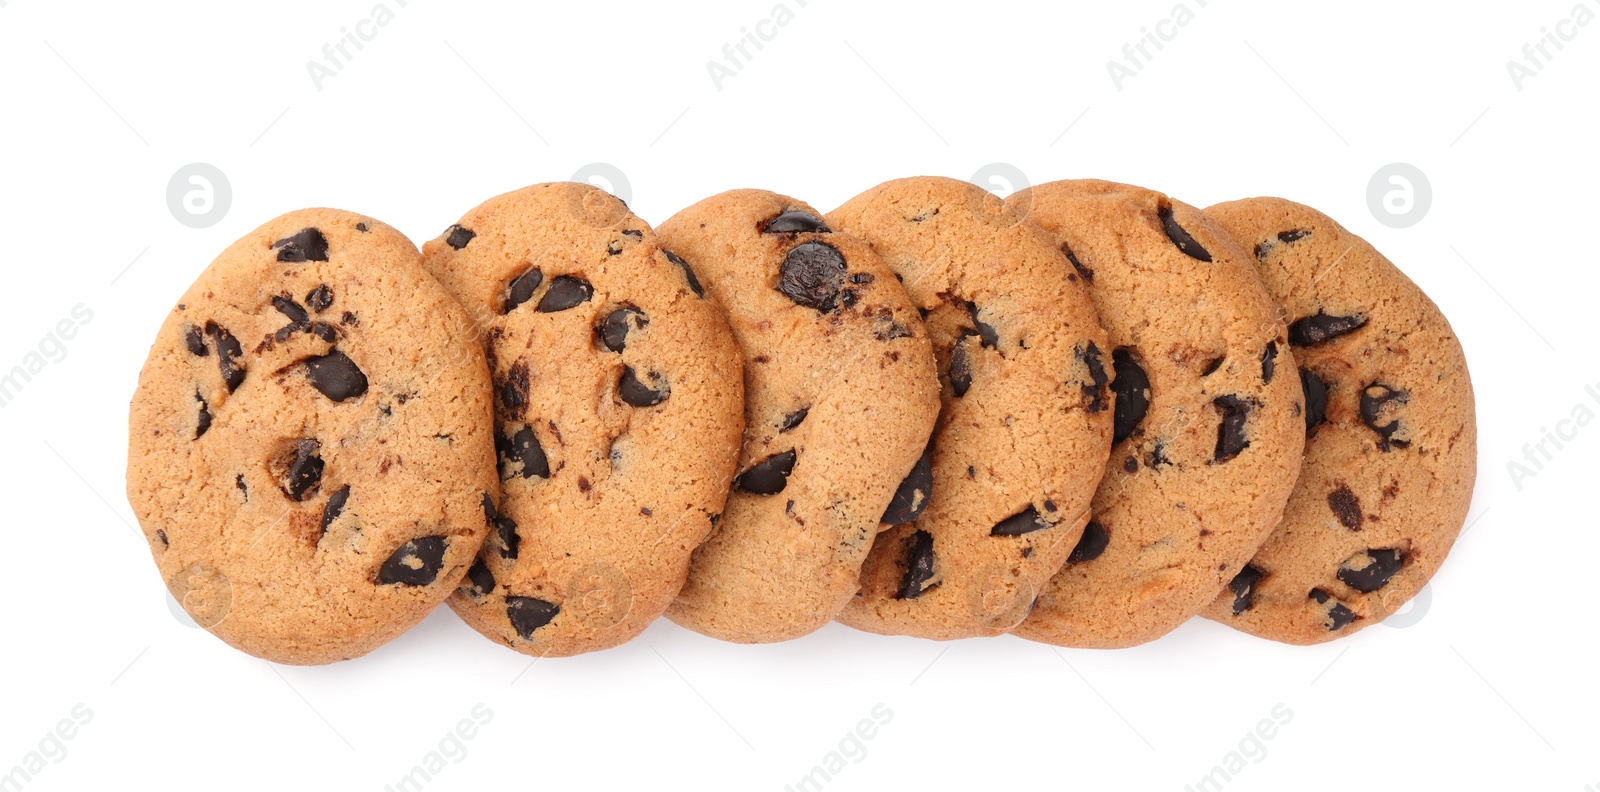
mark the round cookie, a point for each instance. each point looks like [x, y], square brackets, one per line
[1391, 447]
[617, 401]
[309, 442]
[1208, 414]
[1025, 423]
[840, 398]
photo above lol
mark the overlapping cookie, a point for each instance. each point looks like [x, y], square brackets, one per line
[310, 441]
[1025, 423]
[840, 398]
[1391, 447]
[1208, 432]
[617, 403]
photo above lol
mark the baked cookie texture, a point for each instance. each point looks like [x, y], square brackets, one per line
[618, 394]
[1025, 424]
[841, 396]
[1391, 447]
[1209, 421]
[309, 441]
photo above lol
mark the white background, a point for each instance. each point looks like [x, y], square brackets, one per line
[1491, 686]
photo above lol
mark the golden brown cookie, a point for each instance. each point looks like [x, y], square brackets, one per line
[309, 441]
[618, 401]
[1025, 424]
[1391, 447]
[1208, 414]
[840, 398]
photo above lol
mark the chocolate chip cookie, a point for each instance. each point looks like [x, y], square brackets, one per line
[1208, 429]
[1391, 436]
[309, 442]
[618, 395]
[840, 399]
[1026, 416]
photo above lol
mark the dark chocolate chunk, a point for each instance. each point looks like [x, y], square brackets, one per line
[634, 391]
[489, 511]
[812, 274]
[334, 507]
[196, 342]
[520, 290]
[1380, 566]
[1091, 544]
[960, 368]
[528, 614]
[1130, 465]
[479, 577]
[920, 563]
[228, 354]
[861, 278]
[986, 332]
[794, 221]
[307, 245]
[1316, 399]
[303, 473]
[362, 227]
[1379, 401]
[288, 307]
[1095, 389]
[459, 237]
[793, 419]
[1338, 615]
[911, 497]
[1025, 521]
[203, 421]
[1243, 587]
[1231, 437]
[1158, 455]
[1212, 366]
[505, 529]
[769, 476]
[615, 327]
[1322, 326]
[162, 536]
[521, 454]
[1132, 387]
[1269, 361]
[688, 273]
[514, 389]
[1346, 506]
[1088, 274]
[415, 563]
[325, 331]
[1180, 237]
[336, 376]
[320, 298]
[566, 291]
[1293, 236]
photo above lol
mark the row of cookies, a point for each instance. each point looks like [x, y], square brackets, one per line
[1072, 415]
